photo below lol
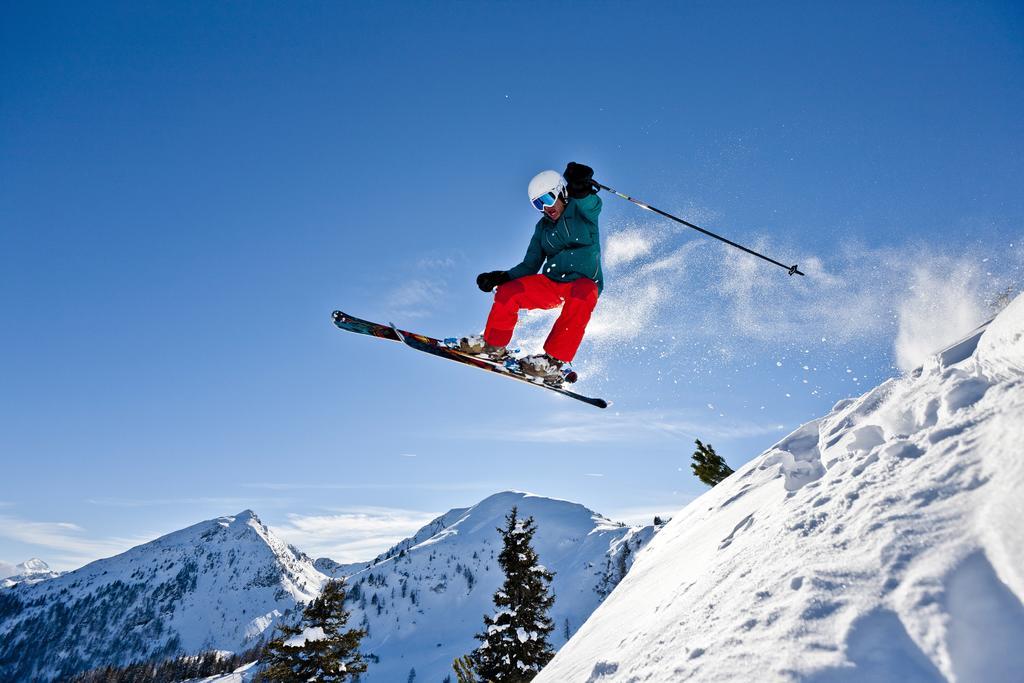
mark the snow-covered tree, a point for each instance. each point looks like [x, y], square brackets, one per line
[318, 648]
[709, 466]
[514, 645]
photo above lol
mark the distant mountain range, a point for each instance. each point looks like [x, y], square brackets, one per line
[218, 585]
[225, 584]
[30, 571]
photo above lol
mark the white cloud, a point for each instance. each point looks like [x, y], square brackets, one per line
[391, 486]
[632, 426]
[7, 569]
[225, 502]
[352, 535]
[73, 546]
[436, 263]
[416, 298]
[421, 295]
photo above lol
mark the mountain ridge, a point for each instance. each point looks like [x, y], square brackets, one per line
[226, 582]
[218, 584]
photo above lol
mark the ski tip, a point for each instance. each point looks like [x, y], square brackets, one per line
[601, 403]
[337, 316]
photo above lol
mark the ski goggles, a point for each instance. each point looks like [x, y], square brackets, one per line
[545, 200]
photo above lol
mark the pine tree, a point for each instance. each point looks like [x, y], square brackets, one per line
[334, 653]
[709, 466]
[464, 672]
[514, 645]
[623, 560]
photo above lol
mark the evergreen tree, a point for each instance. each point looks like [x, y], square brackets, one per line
[623, 560]
[514, 645]
[464, 672]
[709, 466]
[329, 652]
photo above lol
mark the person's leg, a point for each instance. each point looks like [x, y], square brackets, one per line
[566, 335]
[532, 291]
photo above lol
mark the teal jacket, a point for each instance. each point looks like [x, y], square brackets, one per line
[569, 248]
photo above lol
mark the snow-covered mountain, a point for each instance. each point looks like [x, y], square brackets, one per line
[29, 571]
[225, 583]
[423, 600]
[221, 584]
[882, 542]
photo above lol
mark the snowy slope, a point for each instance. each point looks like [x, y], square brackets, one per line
[423, 600]
[220, 584]
[882, 542]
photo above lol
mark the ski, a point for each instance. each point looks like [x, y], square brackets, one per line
[437, 347]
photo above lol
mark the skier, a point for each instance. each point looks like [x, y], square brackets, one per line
[566, 243]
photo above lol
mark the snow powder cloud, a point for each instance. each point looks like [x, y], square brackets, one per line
[668, 292]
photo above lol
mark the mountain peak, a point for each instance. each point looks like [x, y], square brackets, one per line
[33, 566]
[220, 584]
[27, 572]
[243, 517]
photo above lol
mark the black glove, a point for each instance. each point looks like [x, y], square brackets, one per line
[488, 281]
[580, 179]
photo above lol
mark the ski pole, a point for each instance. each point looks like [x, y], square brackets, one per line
[792, 270]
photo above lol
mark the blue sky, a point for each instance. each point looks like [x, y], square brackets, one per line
[187, 190]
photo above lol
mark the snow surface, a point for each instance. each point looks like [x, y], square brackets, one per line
[881, 542]
[309, 634]
[243, 674]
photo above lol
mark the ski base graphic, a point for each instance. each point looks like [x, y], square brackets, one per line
[437, 347]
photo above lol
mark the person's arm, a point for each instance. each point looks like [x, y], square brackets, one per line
[533, 260]
[585, 234]
[581, 187]
[590, 207]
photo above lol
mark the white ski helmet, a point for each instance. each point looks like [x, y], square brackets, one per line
[547, 181]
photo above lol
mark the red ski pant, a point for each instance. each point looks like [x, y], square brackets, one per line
[577, 299]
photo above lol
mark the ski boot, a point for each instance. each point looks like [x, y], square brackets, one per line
[548, 369]
[474, 345]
